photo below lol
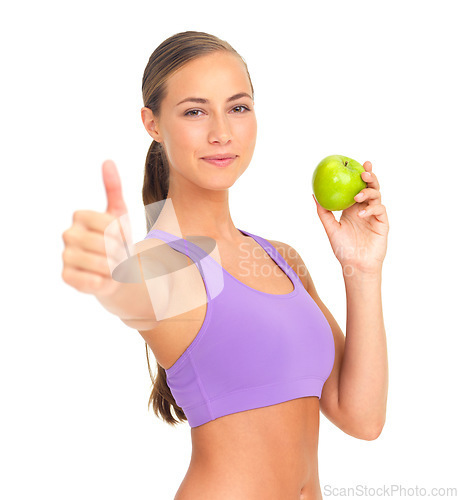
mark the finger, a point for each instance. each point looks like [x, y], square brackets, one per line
[367, 194]
[112, 182]
[369, 177]
[79, 259]
[379, 211]
[84, 281]
[87, 239]
[95, 221]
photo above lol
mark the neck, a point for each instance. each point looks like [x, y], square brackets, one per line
[197, 211]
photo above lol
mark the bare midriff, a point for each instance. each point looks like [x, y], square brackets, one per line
[267, 453]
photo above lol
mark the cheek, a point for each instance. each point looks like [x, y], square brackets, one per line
[188, 136]
[183, 141]
[248, 132]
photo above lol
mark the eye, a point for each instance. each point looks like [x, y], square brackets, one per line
[245, 107]
[189, 113]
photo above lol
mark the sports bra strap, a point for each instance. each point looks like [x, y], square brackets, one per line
[275, 255]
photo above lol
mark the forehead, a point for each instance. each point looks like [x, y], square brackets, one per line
[216, 74]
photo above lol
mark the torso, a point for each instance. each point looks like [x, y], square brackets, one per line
[267, 453]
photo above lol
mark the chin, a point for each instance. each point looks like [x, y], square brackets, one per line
[219, 184]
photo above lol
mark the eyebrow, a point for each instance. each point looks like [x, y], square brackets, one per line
[201, 100]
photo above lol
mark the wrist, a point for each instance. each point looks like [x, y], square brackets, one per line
[352, 273]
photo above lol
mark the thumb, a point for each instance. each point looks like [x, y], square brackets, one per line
[327, 219]
[112, 182]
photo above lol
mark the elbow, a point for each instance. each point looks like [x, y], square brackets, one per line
[367, 427]
[371, 433]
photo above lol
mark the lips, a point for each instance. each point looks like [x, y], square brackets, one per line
[219, 157]
[225, 161]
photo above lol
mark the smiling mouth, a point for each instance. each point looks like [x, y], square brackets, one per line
[222, 162]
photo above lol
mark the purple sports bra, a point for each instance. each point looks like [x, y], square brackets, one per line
[254, 349]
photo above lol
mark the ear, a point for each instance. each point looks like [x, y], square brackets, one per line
[150, 123]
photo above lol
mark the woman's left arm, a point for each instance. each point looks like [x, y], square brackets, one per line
[359, 242]
[363, 378]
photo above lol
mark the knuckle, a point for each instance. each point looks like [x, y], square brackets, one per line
[68, 276]
[68, 237]
[77, 215]
[64, 275]
[95, 282]
[375, 193]
[67, 255]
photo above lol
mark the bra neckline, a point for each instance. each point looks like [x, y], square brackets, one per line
[282, 267]
[286, 271]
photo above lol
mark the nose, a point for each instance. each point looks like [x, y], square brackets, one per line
[220, 130]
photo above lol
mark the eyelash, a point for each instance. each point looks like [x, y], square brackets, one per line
[240, 106]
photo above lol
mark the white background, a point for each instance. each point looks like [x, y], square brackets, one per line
[371, 80]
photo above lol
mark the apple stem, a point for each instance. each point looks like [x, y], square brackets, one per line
[346, 163]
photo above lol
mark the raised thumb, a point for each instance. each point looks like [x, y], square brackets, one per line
[112, 182]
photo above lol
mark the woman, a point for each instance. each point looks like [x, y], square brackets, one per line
[248, 355]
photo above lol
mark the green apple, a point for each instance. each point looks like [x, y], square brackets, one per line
[336, 181]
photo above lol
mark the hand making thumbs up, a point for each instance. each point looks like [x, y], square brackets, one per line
[94, 239]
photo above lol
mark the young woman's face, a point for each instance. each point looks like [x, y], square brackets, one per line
[192, 130]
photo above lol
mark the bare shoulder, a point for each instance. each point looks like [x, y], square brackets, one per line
[162, 250]
[293, 258]
[156, 254]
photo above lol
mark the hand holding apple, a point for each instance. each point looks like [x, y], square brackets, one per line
[359, 238]
[336, 180]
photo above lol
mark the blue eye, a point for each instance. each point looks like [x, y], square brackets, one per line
[188, 113]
